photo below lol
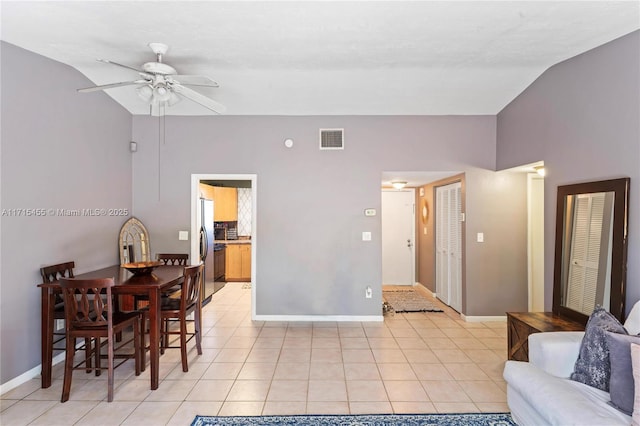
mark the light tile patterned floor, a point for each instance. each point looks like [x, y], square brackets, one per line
[410, 363]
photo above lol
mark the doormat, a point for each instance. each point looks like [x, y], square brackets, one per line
[407, 301]
[484, 419]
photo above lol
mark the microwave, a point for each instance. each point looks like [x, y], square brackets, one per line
[219, 233]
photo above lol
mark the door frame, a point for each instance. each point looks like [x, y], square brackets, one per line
[195, 197]
[530, 248]
[413, 229]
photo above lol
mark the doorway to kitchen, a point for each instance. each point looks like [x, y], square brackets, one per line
[234, 227]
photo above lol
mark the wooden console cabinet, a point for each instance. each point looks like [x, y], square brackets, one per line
[521, 324]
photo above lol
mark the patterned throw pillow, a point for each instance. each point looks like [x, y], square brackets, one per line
[592, 367]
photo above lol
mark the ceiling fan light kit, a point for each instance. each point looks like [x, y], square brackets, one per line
[161, 85]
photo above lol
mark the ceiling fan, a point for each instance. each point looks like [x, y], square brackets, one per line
[160, 84]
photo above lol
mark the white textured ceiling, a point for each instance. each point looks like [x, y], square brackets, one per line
[310, 58]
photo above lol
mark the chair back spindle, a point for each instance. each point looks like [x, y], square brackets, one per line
[191, 286]
[180, 259]
[84, 305]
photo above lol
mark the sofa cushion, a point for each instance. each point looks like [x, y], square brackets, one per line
[560, 401]
[621, 385]
[556, 351]
[592, 366]
[635, 361]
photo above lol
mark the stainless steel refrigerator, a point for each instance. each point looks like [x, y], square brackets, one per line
[206, 247]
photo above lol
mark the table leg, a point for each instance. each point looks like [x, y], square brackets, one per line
[46, 332]
[154, 335]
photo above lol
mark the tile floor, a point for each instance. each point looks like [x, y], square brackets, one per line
[410, 363]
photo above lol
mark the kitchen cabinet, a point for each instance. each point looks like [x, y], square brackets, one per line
[238, 262]
[206, 191]
[225, 204]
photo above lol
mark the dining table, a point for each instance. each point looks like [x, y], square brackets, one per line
[125, 283]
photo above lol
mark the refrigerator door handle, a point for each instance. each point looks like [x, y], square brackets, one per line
[204, 244]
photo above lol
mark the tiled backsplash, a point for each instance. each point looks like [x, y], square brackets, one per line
[244, 212]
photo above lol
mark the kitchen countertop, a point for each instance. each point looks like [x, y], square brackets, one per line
[232, 241]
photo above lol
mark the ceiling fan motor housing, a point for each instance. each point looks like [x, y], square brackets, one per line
[159, 68]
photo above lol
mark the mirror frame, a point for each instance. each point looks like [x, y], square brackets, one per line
[133, 222]
[620, 187]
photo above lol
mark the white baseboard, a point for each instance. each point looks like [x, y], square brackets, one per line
[318, 318]
[28, 375]
[487, 318]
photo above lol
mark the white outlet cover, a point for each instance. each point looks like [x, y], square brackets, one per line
[480, 237]
[366, 236]
[183, 235]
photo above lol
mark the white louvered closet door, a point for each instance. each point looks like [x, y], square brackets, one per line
[455, 248]
[585, 251]
[442, 252]
[449, 245]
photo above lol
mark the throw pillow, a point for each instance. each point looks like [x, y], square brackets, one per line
[621, 385]
[592, 366]
[635, 361]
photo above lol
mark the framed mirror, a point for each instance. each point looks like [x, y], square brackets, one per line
[590, 265]
[133, 243]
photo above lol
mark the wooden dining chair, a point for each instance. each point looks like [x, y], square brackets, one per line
[90, 314]
[51, 274]
[181, 259]
[177, 310]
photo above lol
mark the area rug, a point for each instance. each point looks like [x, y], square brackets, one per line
[408, 301]
[485, 419]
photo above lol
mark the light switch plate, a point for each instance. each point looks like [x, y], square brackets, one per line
[480, 237]
[183, 235]
[366, 236]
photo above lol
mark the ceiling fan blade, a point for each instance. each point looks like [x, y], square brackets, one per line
[199, 98]
[106, 61]
[112, 85]
[194, 80]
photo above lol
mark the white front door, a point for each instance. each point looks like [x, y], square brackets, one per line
[398, 231]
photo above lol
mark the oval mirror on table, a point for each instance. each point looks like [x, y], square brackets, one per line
[591, 249]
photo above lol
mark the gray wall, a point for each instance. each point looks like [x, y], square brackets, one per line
[582, 117]
[60, 149]
[310, 258]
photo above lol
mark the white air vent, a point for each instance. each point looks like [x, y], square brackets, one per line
[331, 138]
